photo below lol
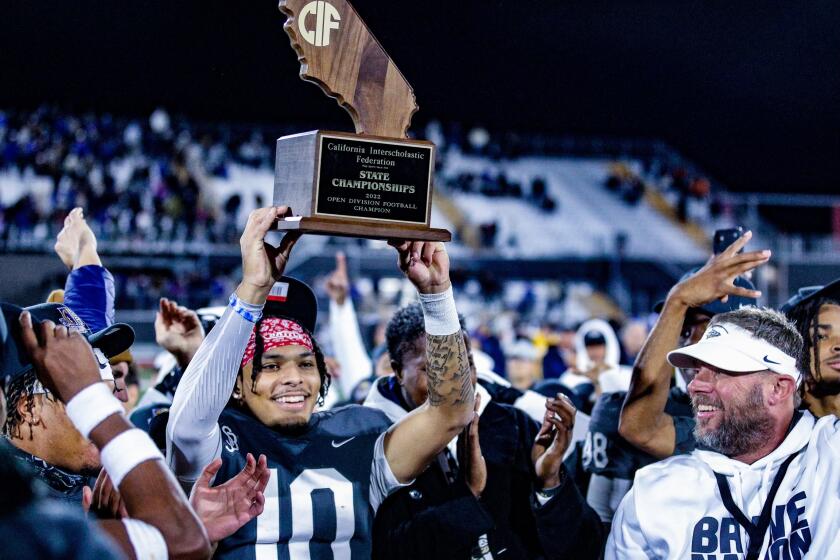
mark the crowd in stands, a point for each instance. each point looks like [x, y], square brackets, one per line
[156, 178]
[499, 186]
[687, 190]
[143, 179]
[525, 433]
[625, 183]
[690, 194]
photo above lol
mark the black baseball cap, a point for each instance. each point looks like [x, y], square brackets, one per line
[111, 340]
[292, 299]
[810, 293]
[716, 307]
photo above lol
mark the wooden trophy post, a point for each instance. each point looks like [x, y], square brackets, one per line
[376, 183]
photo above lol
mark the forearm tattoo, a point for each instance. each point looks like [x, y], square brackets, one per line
[448, 370]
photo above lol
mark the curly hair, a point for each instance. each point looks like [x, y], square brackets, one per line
[21, 388]
[403, 330]
[320, 362]
[806, 318]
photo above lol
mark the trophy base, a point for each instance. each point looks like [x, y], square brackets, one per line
[348, 228]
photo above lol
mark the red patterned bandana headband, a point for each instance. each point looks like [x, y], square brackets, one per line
[277, 332]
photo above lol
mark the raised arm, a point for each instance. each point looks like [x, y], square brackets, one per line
[178, 330]
[566, 526]
[413, 442]
[192, 435]
[75, 244]
[161, 522]
[89, 288]
[643, 421]
[344, 330]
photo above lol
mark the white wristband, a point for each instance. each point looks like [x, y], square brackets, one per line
[439, 313]
[146, 539]
[91, 406]
[125, 452]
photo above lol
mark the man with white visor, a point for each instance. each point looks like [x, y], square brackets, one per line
[763, 482]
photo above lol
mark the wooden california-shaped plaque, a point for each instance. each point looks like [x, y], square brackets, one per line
[376, 183]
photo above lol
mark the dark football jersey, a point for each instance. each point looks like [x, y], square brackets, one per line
[679, 407]
[318, 499]
[605, 452]
[152, 419]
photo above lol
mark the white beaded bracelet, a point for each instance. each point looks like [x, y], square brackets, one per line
[125, 452]
[91, 406]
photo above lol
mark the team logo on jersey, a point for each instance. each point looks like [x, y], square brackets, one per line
[231, 441]
[789, 533]
[340, 443]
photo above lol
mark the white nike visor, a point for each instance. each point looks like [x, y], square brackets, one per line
[732, 348]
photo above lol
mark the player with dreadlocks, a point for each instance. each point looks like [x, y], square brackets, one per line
[38, 427]
[289, 316]
[253, 387]
[815, 311]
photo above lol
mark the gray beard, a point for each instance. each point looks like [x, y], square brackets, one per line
[742, 430]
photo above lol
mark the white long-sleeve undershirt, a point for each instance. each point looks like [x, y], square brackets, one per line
[192, 434]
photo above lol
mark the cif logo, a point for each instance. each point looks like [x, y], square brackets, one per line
[326, 19]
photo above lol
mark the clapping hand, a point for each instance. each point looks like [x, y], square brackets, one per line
[178, 330]
[223, 509]
[469, 455]
[553, 440]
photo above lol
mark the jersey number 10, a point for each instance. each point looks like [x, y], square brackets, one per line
[304, 517]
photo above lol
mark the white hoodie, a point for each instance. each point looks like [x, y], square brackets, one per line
[616, 378]
[674, 509]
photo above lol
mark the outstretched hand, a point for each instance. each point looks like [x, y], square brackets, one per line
[223, 509]
[262, 263]
[716, 280]
[178, 330]
[424, 263]
[553, 440]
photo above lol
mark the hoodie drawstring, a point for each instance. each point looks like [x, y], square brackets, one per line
[756, 532]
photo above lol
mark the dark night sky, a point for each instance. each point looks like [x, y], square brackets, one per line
[750, 90]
